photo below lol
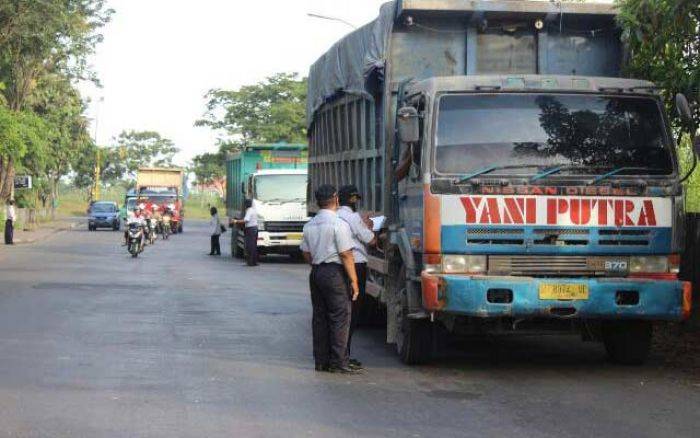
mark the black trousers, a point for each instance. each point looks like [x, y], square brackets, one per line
[251, 245]
[215, 245]
[9, 232]
[361, 269]
[330, 298]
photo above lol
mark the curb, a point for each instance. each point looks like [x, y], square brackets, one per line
[69, 227]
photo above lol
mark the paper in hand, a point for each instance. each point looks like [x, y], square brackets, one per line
[377, 223]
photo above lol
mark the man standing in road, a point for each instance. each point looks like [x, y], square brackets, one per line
[215, 230]
[250, 232]
[10, 218]
[327, 246]
[362, 236]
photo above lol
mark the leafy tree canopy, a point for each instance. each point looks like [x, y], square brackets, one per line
[268, 112]
[131, 150]
[663, 37]
[42, 39]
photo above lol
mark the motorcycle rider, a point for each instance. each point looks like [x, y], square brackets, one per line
[167, 218]
[137, 218]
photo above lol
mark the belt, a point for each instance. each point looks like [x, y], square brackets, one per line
[327, 265]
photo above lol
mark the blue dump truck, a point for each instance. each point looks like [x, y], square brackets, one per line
[527, 185]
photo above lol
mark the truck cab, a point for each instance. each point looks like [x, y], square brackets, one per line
[279, 197]
[528, 185]
[543, 198]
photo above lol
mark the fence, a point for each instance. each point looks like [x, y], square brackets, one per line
[690, 263]
[29, 218]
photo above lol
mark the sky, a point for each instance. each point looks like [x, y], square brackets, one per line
[159, 58]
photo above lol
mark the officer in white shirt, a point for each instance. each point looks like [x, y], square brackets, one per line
[250, 222]
[362, 236]
[327, 246]
[10, 218]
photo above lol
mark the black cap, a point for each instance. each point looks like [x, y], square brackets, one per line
[347, 192]
[325, 193]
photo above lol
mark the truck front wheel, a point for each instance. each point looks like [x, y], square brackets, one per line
[415, 342]
[627, 342]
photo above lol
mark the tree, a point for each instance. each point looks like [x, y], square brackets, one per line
[132, 150]
[40, 36]
[59, 104]
[143, 149]
[270, 111]
[663, 37]
[209, 169]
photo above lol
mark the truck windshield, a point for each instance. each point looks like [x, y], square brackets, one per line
[585, 134]
[280, 188]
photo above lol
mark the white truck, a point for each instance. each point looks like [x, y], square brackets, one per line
[276, 182]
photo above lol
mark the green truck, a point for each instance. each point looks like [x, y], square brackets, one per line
[274, 177]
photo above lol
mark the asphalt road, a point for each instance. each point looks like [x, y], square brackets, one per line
[176, 343]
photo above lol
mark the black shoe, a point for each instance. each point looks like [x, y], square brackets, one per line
[343, 370]
[355, 364]
[322, 367]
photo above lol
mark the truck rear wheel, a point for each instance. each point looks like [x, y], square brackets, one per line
[236, 249]
[370, 312]
[627, 342]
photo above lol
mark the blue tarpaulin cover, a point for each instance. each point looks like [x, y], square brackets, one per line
[347, 65]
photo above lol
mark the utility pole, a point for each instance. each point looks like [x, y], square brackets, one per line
[98, 156]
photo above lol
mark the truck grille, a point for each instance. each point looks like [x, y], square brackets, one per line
[284, 227]
[557, 237]
[541, 265]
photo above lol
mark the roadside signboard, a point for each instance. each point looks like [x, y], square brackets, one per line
[23, 182]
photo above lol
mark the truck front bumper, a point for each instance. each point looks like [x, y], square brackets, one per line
[279, 242]
[519, 297]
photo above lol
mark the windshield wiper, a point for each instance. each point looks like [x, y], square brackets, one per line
[614, 172]
[490, 169]
[559, 168]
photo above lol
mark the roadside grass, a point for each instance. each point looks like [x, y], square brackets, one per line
[197, 206]
[74, 202]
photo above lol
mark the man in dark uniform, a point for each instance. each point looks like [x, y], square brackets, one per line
[327, 246]
[362, 236]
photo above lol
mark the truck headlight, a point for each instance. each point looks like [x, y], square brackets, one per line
[463, 264]
[261, 223]
[649, 264]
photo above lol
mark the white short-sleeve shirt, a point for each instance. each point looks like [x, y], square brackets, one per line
[361, 235]
[325, 237]
[251, 218]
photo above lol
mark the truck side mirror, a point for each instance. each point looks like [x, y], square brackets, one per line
[408, 121]
[686, 115]
[683, 108]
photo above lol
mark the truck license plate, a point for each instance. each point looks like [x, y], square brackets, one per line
[294, 236]
[552, 291]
